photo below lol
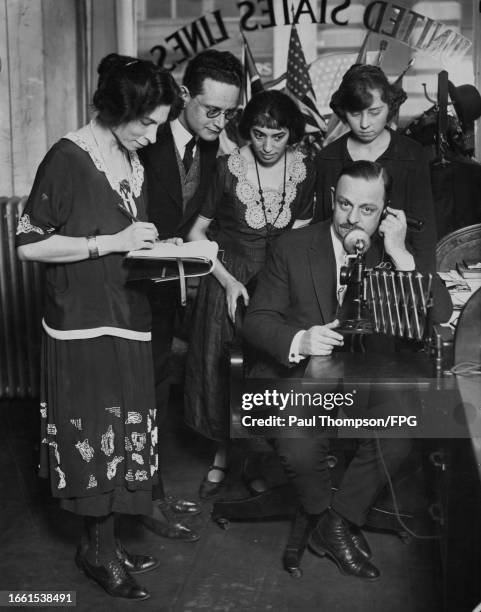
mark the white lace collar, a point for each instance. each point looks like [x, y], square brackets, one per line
[275, 212]
[137, 178]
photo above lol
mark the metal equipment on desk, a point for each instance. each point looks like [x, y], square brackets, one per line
[384, 300]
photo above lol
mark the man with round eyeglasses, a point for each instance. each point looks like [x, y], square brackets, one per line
[179, 167]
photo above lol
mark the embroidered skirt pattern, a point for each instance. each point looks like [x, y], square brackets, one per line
[98, 421]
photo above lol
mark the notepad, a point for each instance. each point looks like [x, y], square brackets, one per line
[205, 250]
[161, 263]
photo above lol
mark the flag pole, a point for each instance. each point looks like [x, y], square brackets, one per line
[382, 49]
[255, 79]
[398, 81]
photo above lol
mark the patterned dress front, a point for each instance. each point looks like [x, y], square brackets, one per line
[98, 432]
[244, 232]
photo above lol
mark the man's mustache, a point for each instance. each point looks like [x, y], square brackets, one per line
[350, 227]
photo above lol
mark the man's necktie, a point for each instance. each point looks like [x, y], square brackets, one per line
[188, 155]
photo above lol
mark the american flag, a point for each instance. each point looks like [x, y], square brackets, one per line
[299, 85]
[326, 74]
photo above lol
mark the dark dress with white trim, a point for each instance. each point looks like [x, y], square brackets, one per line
[98, 432]
[245, 233]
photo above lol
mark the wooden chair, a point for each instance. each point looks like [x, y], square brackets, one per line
[281, 501]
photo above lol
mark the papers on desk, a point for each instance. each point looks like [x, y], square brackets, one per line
[469, 269]
[454, 281]
[460, 289]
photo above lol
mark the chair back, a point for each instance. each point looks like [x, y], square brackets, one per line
[464, 243]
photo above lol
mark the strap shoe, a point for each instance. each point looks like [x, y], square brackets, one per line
[209, 488]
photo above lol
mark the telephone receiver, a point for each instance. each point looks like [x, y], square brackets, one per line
[413, 224]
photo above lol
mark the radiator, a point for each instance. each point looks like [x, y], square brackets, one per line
[21, 306]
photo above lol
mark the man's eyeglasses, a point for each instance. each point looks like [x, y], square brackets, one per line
[212, 111]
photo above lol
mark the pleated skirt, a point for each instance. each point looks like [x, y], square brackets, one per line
[206, 388]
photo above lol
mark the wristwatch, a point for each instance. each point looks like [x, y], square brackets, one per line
[93, 247]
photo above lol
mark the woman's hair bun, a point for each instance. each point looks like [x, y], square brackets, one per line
[111, 62]
[129, 88]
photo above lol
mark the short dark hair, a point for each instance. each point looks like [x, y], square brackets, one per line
[219, 66]
[369, 171]
[272, 109]
[353, 94]
[129, 88]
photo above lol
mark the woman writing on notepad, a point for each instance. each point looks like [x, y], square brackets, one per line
[85, 211]
[259, 191]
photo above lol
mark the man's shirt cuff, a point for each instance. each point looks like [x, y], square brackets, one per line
[294, 356]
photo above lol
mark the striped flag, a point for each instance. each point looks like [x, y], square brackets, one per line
[326, 73]
[299, 85]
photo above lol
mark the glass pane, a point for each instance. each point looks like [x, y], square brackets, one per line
[189, 8]
[157, 9]
[229, 9]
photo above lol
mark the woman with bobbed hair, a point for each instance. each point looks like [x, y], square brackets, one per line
[259, 191]
[276, 108]
[85, 211]
[367, 103]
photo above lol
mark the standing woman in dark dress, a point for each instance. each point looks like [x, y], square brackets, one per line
[85, 211]
[367, 102]
[259, 192]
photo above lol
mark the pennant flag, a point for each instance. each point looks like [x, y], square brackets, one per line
[394, 123]
[299, 85]
[252, 80]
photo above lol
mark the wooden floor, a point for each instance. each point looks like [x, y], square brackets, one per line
[238, 569]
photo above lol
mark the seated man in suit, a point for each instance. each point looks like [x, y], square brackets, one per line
[179, 167]
[292, 316]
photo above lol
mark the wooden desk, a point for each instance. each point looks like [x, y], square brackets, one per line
[372, 365]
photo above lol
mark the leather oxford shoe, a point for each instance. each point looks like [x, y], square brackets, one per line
[360, 542]
[135, 564]
[113, 577]
[332, 537]
[165, 524]
[181, 506]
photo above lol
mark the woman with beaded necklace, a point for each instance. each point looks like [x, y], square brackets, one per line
[85, 211]
[260, 191]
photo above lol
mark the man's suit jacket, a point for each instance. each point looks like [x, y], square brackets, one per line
[297, 289]
[164, 190]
